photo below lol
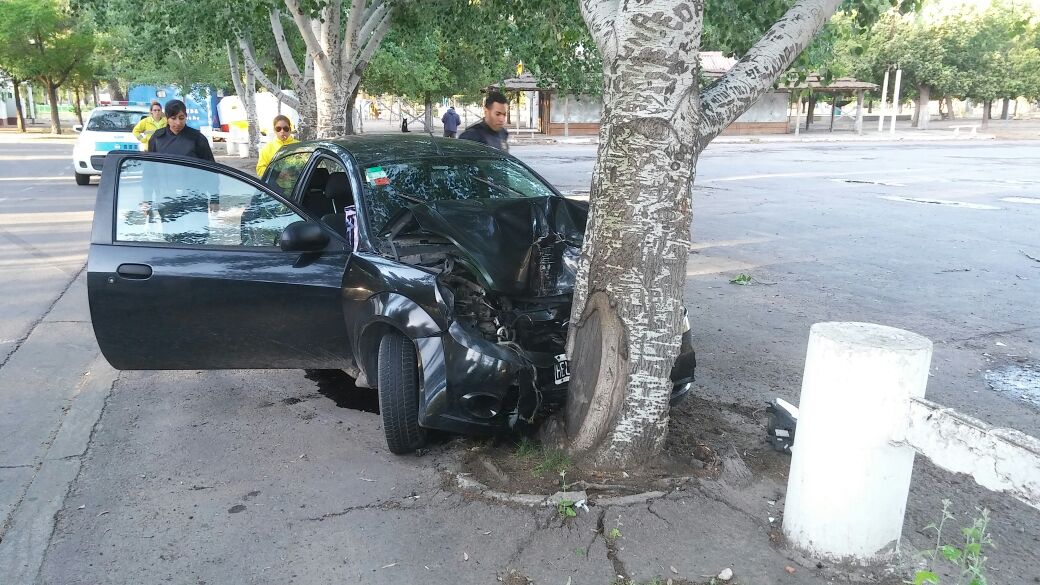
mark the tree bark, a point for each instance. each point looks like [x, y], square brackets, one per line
[114, 90]
[349, 111]
[247, 95]
[627, 307]
[810, 111]
[77, 107]
[428, 117]
[921, 112]
[52, 96]
[987, 105]
[949, 107]
[1004, 109]
[19, 114]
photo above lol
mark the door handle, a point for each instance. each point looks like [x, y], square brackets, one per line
[137, 271]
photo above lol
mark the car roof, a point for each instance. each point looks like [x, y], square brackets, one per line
[381, 148]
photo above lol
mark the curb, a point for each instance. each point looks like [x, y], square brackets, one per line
[468, 484]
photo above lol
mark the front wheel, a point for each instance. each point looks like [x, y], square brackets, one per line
[82, 179]
[398, 384]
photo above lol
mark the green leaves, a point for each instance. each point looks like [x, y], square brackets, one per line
[924, 577]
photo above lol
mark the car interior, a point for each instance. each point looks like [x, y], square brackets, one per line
[328, 195]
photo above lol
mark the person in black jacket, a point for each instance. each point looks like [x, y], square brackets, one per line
[492, 129]
[177, 137]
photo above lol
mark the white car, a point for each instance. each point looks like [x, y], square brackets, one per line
[109, 128]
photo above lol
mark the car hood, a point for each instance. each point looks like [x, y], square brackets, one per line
[520, 246]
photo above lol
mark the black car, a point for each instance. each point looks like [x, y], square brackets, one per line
[439, 271]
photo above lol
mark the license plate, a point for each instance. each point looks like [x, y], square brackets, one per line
[562, 369]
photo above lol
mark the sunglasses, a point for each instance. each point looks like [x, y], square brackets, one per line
[281, 128]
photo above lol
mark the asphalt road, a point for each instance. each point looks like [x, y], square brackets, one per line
[261, 477]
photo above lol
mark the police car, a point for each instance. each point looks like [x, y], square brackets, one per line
[109, 128]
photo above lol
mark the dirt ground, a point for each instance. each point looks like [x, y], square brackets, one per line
[705, 440]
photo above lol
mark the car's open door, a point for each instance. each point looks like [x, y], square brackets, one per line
[185, 271]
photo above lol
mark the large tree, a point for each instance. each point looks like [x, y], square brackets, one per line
[339, 39]
[627, 315]
[47, 44]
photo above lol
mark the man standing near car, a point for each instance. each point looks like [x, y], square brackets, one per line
[492, 129]
[451, 122]
[177, 137]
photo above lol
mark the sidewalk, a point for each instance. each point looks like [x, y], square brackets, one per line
[53, 389]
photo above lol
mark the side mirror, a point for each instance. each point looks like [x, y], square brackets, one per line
[303, 236]
[77, 128]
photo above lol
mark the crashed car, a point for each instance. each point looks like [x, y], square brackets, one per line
[439, 271]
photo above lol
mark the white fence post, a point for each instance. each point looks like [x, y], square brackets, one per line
[850, 467]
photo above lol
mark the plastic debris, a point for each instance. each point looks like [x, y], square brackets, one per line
[783, 418]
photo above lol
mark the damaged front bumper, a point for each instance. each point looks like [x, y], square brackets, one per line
[473, 386]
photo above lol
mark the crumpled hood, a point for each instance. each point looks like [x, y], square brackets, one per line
[519, 246]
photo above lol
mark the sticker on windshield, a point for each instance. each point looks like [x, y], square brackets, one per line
[376, 176]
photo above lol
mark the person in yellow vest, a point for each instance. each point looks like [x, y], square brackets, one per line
[149, 124]
[282, 137]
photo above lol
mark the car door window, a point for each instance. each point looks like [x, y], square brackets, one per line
[178, 204]
[285, 172]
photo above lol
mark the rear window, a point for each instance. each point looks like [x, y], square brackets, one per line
[114, 120]
[394, 186]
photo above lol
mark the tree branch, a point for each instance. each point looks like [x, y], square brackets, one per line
[752, 76]
[250, 62]
[362, 60]
[330, 28]
[355, 17]
[372, 18]
[288, 61]
[599, 16]
[314, 48]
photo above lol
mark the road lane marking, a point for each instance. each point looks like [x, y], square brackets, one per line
[35, 157]
[61, 178]
[939, 202]
[1027, 200]
[808, 175]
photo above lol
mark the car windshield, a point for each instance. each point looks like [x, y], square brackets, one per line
[389, 188]
[114, 120]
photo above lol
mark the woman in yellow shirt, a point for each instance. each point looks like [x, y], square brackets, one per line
[144, 129]
[282, 137]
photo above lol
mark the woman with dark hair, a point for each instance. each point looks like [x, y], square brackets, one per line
[282, 137]
[177, 137]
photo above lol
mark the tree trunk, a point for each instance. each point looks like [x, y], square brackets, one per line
[52, 95]
[626, 318]
[811, 111]
[350, 110]
[77, 107]
[921, 112]
[19, 115]
[949, 107]
[987, 105]
[114, 91]
[330, 105]
[627, 313]
[428, 118]
[1004, 109]
[94, 92]
[247, 95]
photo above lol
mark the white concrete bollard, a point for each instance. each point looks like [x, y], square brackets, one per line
[850, 476]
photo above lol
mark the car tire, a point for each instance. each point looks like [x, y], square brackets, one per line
[398, 384]
[82, 179]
